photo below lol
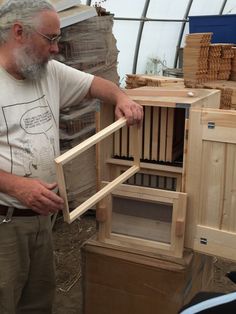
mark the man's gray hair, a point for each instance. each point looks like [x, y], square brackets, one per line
[22, 11]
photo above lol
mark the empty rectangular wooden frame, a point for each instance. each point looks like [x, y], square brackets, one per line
[70, 216]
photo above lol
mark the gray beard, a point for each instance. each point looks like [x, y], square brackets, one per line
[28, 64]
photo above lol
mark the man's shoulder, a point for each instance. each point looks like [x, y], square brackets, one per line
[57, 66]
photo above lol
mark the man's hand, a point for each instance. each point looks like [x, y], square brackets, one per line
[32, 193]
[112, 94]
[38, 196]
[131, 110]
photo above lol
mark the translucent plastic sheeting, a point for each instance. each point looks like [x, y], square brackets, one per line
[230, 7]
[159, 39]
[167, 9]
[161, 49]
[127, 34]
[203, 7]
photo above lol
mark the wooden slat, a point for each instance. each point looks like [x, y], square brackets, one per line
[212, 184]
[137, 131]
[146, 193]
[185, 154]
[141, 139]
[163, 133]
[169, 135]
[78, 149]
[155, 134]
[124, 142]
[61, 186]
[104, 227]
[140, 244]
[145, 165]
[117, 150]
[192, 174]
[178, 224]
[147, 133]
[219, 134]
[72, 153]
[102, 193]
[228, 222]
[131, 141]
[219, 117]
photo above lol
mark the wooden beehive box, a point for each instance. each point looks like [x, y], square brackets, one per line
[148, 212]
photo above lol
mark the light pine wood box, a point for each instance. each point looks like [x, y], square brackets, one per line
[206, 177]
[205, 218]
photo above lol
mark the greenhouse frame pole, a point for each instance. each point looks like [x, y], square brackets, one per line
[182, 32]
[223, 7]
[139, 37]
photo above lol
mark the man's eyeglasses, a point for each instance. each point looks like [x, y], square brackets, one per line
[52, 40]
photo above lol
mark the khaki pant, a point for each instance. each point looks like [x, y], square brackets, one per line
[27, 275]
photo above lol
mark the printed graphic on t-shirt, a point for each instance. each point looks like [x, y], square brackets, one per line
[30, 135]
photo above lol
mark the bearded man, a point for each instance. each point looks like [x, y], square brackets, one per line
[33, 88]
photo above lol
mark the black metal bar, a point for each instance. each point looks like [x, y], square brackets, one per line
[142, 21]
[182, 32]
[223, 7]
[145, 19]
[88, 2]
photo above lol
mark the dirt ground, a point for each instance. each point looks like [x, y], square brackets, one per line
[68, 240]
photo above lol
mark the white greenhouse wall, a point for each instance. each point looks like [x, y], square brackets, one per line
[159, 38]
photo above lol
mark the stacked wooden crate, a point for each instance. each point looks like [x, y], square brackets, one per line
[213, 61]
[233, 65]
[228, 92]
[220, 67]
[195, 65]
[225, 61]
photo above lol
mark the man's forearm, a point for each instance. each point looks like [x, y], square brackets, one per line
[106, 91]
[111, 94]
[8, 182]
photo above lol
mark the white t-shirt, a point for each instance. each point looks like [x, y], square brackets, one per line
[29, 121]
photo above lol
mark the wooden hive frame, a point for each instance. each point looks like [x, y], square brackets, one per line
[70, 216]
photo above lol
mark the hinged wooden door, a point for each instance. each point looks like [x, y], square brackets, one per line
[211, 182]
[145, 219]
